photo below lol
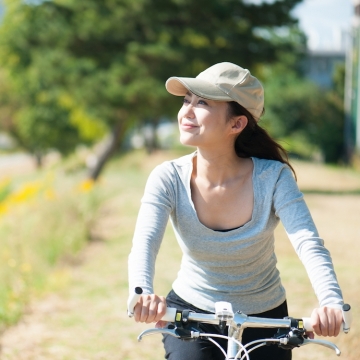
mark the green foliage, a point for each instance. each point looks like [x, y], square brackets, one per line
[328, 125]
[5, 189]
[90, 128]
[112, 57]
[297, 108]
[44, 127]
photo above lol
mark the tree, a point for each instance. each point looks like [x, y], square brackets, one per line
[113, 56]
[296, 108]
[29, 104]
[329, 117]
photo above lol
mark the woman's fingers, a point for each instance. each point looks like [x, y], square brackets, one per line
[161, 324]
[326, 321]
[150, 308]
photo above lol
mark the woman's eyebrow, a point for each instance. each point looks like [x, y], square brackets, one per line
[188, 93]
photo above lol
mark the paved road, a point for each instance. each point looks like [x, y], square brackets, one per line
[15, 164]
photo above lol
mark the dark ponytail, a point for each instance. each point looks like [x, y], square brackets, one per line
[255, 141]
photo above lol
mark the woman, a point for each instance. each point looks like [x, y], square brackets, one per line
[224, 202]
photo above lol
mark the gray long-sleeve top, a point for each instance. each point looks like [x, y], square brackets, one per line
[238, 266]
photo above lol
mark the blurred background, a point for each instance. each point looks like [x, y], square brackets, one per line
[92, 76]
[84, 117]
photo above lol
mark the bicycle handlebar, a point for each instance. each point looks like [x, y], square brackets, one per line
[133, 299]
[170, 316]
[290, 333]
[212, 319]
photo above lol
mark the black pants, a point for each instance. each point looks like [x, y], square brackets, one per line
[202, 349]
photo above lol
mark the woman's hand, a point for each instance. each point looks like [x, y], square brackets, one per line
[150, 308]
[327, 321]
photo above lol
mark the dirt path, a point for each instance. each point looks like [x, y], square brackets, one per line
[21, 163]
[15, 164]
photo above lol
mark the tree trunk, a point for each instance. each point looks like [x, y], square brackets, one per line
[107, 151]
[151, 140]
[38, 160]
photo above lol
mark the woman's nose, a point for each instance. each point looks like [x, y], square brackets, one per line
[188, 110]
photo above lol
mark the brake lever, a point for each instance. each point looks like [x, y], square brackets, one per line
[153, 331]
[325, 343]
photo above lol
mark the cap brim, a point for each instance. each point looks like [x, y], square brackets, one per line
[179, 86]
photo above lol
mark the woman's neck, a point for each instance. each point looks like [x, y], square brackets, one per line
[219, 168]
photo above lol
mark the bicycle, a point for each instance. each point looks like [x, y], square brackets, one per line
[290, 332]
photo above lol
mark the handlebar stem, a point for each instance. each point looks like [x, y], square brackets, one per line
[245, 321]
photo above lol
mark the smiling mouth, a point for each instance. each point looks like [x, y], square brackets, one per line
[188, 126]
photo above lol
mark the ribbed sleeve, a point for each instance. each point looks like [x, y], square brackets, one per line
[153, 216]
[291, 208]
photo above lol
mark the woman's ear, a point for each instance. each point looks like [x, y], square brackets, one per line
[238, 124]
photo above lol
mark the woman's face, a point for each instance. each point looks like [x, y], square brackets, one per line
[203, 122]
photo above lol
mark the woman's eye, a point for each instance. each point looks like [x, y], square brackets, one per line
[188, 101]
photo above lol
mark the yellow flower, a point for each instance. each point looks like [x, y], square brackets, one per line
[86, 185]
[3, 208]
[25, 193]
[25, 268]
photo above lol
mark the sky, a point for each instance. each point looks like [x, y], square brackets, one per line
[325, 22]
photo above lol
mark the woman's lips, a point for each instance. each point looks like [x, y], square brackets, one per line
[188, 126]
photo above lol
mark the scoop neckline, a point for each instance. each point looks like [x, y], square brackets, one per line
[241, 227]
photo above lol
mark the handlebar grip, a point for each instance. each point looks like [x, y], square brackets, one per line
[347, 319]
[347, 316]
[170, 315]
[133, 299]
[307, 324]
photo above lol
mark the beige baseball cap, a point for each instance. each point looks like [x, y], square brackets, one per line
[223, 82]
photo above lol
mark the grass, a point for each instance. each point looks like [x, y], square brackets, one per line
[43, 219]
[82, 315]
